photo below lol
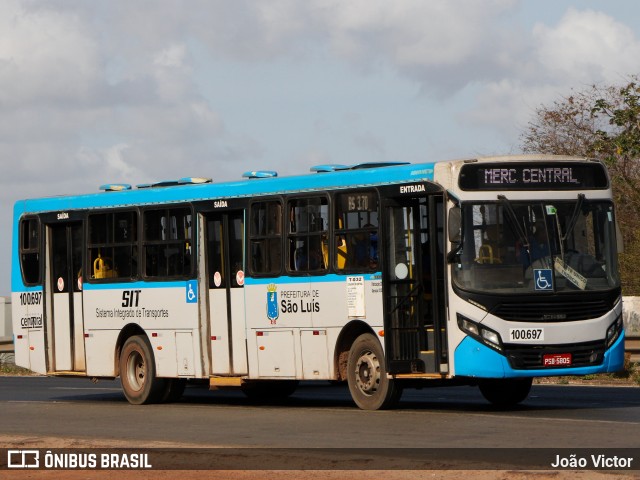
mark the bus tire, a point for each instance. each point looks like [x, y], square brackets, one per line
[506, 393]
[370, 387]
[138, 372]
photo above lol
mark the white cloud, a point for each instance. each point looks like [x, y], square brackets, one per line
[172, 74]
[411, 32]
[107, 165]
[45, 56]
[442, 45]
[586, 46]
[72, 116]
[583, 49]
[172, 56]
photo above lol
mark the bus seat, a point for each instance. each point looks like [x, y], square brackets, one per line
[102, 268]
[485, 254]
[325, 253]
[341, 254]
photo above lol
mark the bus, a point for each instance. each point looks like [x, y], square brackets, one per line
[486, 272]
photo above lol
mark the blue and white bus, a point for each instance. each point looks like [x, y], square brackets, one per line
[487, 272]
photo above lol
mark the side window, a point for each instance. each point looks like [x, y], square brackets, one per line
[307, 240]
[167, 242]
[112, 245]
[265, 238]
[356, 231]
[30, 251]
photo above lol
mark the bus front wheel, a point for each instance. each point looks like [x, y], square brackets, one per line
[370, 387]
[505, 393]
[138, 372]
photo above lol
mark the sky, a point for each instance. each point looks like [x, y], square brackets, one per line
[135, 92]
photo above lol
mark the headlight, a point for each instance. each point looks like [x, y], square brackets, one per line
[481, 333]
[613, 332]
[469, 327]
[491, 337]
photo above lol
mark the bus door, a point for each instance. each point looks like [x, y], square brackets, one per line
[414, 287]
[225, 269]
[65, 281]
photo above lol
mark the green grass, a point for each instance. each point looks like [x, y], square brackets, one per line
[11, 369]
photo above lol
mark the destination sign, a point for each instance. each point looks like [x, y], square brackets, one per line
[359, 202]
[539, 176]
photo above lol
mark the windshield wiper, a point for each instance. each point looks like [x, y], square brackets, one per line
[506, 205]
[570, 224]
[574, 217]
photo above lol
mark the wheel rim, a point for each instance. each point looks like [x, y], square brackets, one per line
[367, 370]
[136, 371]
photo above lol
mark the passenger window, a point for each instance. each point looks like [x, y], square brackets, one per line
[356, 231]
[30, 251]
[265, 238]
[307, 239]
[112, 245]
[167, 242]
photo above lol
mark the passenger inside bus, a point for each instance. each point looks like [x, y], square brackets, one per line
[538, 245]
[365, 249]
[308, 257]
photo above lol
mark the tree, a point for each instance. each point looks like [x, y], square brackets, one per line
[603, 123]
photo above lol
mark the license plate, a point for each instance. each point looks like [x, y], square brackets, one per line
[557, 360]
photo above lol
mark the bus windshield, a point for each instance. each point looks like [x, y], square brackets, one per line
[528, 247]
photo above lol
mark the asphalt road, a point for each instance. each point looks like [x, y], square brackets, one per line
[323, 416]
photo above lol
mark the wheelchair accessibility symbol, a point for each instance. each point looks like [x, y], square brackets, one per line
[543, 278]
[192, 291]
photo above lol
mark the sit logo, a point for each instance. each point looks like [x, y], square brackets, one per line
[272, 303]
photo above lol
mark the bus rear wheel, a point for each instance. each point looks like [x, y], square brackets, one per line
[505, 393]
[370, 387]
[138, 372]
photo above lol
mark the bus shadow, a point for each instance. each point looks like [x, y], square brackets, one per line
[446, 399]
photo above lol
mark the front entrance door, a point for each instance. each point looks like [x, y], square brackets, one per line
[225, 269]
[66, 287]
[413, 273]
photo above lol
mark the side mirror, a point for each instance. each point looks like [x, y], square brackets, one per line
[455, 225]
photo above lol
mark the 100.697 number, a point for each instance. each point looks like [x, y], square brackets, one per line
[525, 334]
